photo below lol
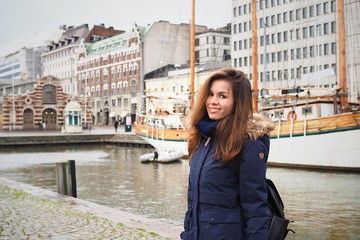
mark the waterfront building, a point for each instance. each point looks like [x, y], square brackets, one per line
[38, 104]
[62, 56]
[109, 72]
[167, 88]
[167, 43]
[297, 43]
[21, 59]
[213, 45]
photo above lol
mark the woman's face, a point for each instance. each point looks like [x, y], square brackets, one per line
[220, 99]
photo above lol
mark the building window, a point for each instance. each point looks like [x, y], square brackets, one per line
[305, 12]
[333, 6]
[286, 56]
[326, 28]
[311, 31]
[298, 14]
[133, 86]
[291, 14]
[333, 27]
[326, 7]
[333, 48]
[312, 11]
[49, 94]
[285, 36]
[305, 52]
[273, 57]
[326, 49]
[318, 9]
[285, 17]
[312, 51]
[298, 53]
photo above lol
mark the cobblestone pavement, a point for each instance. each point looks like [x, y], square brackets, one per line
[35, 213]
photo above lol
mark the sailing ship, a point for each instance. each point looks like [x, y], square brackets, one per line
[319, 132]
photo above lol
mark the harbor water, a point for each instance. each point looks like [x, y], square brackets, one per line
[323, 205]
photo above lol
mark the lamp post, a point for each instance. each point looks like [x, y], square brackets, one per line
[13, 92]
[85, 94]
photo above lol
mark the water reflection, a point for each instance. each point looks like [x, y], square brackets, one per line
[323, 205]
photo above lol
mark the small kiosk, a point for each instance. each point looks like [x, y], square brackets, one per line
[72, 116]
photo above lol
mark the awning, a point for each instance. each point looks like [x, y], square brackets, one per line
[123, 114]
[112, 114]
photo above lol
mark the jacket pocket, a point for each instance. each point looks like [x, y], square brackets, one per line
[220, 225]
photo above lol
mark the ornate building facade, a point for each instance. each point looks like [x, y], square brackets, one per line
[38, 104]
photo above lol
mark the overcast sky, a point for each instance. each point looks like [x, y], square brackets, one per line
[21, 18]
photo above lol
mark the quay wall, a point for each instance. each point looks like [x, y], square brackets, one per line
[33, 140]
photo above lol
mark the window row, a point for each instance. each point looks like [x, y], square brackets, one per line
[292, 35]
[121, 102]
[293, 73]
[297, 53]
[301, 13]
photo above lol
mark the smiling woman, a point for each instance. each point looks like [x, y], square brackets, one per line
[228, 151]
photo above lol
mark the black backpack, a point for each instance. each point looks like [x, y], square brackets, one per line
[278, 227]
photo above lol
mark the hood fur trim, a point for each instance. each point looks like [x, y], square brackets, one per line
[259, 125]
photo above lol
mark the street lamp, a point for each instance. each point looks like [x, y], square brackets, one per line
[13, 92]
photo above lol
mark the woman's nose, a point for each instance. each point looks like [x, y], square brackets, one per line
[213, 100]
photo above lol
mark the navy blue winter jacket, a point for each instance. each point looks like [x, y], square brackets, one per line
[228, 201]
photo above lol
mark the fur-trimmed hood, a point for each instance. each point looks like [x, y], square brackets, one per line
[259, 125]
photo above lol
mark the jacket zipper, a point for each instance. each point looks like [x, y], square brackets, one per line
[207, 141]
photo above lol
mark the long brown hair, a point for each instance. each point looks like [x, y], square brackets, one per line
[231, 131]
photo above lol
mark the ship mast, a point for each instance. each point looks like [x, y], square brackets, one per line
[192, 55]
[254, 43]
[342, 58]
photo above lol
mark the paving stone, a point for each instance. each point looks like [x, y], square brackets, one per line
[29, 217]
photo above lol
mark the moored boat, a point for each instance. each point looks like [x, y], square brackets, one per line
[164, 156]
[162, 132]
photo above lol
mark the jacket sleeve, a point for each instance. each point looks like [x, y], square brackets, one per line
[253, 191]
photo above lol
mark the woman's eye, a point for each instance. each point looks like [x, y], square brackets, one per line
[223, 96]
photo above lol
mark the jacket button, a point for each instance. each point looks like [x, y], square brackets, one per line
[212, 220]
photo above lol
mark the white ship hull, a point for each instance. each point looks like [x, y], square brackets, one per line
[167, 144]
[339, 150]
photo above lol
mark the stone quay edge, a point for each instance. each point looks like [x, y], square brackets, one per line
[30, 212]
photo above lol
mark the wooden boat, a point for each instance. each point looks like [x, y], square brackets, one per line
[165, 156]
[161, 133]
[329, 142]
[321, 138]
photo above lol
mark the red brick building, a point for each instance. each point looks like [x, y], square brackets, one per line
[38, 104]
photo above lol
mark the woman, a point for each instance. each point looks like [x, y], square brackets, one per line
[228, 149]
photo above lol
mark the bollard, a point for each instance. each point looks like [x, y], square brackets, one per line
[66, 178]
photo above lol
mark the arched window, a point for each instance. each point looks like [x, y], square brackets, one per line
[133, 86]
[49, 94]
